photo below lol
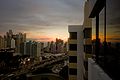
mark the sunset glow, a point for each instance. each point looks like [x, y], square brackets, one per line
[42, 20]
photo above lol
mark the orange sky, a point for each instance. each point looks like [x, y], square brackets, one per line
[50, 36]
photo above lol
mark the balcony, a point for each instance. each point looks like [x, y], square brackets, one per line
[95, 72]
[72, 41]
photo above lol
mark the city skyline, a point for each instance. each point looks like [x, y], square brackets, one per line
[41, 20]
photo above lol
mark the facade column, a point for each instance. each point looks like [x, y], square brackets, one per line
[97, 39]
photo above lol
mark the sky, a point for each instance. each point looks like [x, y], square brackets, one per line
[41, 20]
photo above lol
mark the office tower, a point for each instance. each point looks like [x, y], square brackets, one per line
[28, 48]
[33, 49]
[23, 48]
[42, 47]
[1, 42]
[19, 39]
[5, 42]
[9, 38]
[76, 52]
[36, 49]
[48, 47]
[52, 47]
[24, 37]
[59, 45]
[39, 49]
[17, 43]
[12, 43]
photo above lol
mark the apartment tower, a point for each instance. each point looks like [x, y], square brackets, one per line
[76, 52]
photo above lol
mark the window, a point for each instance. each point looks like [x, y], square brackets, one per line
[88, 49]
[73, 35]
[73, 59]
[72, 71]
[87, 33]
[73, 47]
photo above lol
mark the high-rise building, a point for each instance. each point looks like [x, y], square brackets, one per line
[9, 38]
[87, 32]
[33, 49]
[39, 49]
[42, 47]
[84, 46]
[1, 42]
[19, 39]
[76, 52]
[59, 45]
[28, 48]
[12, 43]
[23, 48]
[5, 42]
[52, 47]
[47, 49]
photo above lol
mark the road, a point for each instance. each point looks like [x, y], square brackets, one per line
[33, 67]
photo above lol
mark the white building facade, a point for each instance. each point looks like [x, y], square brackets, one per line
[76, 53]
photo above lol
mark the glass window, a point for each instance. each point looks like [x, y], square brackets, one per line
[73, 59]
[87, 33]
[73, 35]
[72, 71]
[88, 49]
[73, 47]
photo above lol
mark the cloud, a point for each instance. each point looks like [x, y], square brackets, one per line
[41, 12]
[40, 39]
[40, 16]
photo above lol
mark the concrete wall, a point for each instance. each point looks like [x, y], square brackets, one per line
[95, 72]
